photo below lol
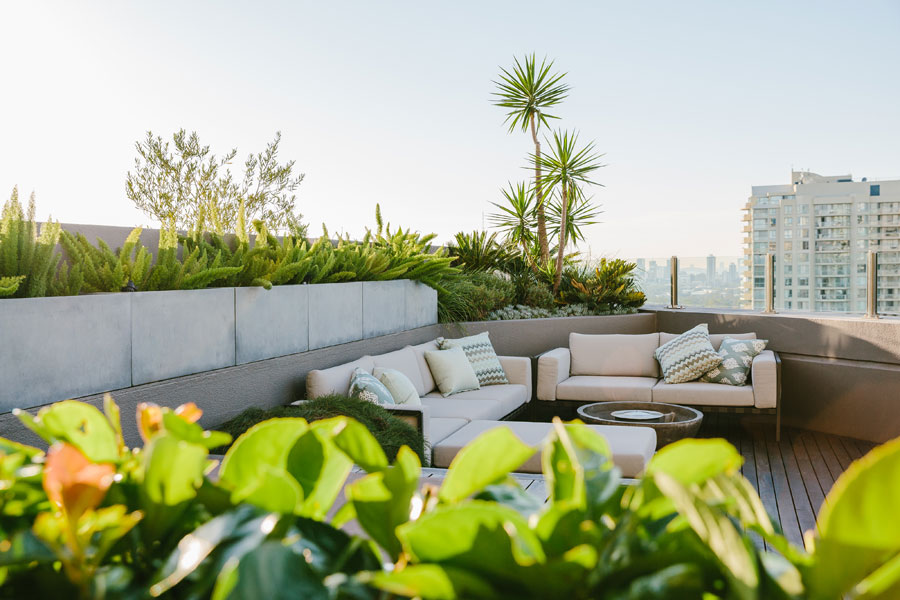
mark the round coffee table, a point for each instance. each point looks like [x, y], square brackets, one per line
[676, 422]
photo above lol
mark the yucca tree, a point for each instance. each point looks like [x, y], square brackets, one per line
[582, 212]
[527, 92]
[568, 169]
[516, 218]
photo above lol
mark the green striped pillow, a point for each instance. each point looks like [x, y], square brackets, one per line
[480, 352]
[688, 356]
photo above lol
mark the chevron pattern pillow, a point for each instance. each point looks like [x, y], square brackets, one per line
[480, 352]
[737, 357]
[688, 356]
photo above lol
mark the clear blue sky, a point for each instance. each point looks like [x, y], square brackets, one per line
[692, 102]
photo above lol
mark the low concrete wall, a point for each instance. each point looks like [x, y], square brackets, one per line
[58, 348]
[840, 375]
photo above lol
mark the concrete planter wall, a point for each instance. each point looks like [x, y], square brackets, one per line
[58, 348]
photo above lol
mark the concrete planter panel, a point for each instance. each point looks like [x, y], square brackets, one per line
[335, 314]
[58, 348]
[421, 305]
[384, 307]
[181, 332]
[270, 323]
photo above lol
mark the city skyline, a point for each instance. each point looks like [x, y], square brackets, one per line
[376, 108]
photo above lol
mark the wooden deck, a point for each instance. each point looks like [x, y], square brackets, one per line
[792, 476]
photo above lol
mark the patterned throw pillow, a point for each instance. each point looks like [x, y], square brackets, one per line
[366, 386]
[401, 388]
[688, 356]
[480, 352]
[737, 356]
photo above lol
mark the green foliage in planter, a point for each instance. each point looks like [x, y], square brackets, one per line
[392, 433]
[481, 252]
[472, 296]
[522, 311]
[607, 287]
[28, 259]
[92, 518]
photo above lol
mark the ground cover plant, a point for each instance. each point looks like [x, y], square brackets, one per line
[390, 432]
[91, 518]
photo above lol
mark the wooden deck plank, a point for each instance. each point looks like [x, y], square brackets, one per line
[794, 440]
[764, 476]
[787, 512]
[805, 491]
[840, 451]
[826, 480]
[852, 448]
[831, 461]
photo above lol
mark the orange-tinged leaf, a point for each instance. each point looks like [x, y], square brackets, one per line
[73, 483]
[149, 419]
[189, 412]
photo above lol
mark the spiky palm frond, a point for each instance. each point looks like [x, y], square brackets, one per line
[528, 90]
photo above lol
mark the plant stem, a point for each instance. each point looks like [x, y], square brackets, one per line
[564, 215]
[539, 195]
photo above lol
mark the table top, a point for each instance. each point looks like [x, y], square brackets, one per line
[672, 414]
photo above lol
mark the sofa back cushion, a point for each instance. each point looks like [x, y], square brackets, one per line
[480, 351]
[403, 360]
[420, 350]
[615, 355]
[714, 338]
[452, 371]
[336, 380]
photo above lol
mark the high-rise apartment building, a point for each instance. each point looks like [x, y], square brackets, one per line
[820, 230]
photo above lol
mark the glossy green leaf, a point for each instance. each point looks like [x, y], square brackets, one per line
[512, 496]
[192, 432]
[381, 500]
[173, 469]
[487, 459]
[320, 467]
[355, 441]
[275, 572]
[433, 582]
[859, 531]
[77, 423]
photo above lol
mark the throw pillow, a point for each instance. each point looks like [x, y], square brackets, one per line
[480, 352]
[365, 386]
[399, 385]
[688, 356]
[452, 371]
[737, 356]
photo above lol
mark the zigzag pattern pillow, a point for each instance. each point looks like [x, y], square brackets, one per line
[737, 357]
[688, 356]
[480, 352]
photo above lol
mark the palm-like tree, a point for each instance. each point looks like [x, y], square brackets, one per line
[581, 213]
[568, 168]
[516, 218]
[528, 91]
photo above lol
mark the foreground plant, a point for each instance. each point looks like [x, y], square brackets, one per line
[95, 519]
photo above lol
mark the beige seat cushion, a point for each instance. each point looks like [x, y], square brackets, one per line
[714, 338]
[403, 360]
[594, 388]
[427, 379]
[510, 396]
[441, 428]
[614, 355]
[335, 380]
[632, 447]
[464, 409]
[703, 394]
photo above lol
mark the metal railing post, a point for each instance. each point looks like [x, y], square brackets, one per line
[673, 289]
[770, 283]
[872, 285]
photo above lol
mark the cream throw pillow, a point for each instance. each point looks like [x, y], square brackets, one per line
[399, 385]
[452, 371]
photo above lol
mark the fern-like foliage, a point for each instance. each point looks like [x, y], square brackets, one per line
[28, 259]
[610, 287]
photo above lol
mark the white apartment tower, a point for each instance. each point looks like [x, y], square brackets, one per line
[820, 230]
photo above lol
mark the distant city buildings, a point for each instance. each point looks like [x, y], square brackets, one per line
[708, 281]
[820, 229]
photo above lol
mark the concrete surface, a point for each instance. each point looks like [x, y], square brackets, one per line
[335, 314]
[270, 323]
[384, 307]
[181, 332]
[421, 305]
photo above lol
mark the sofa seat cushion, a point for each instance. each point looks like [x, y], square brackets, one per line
[614, 354]
[440, 428]
[594, 388]
[509, 396]
[703, 394]
[403, 360]
[464, 409]
[335, 380]
[632, 447]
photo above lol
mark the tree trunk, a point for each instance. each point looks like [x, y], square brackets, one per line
[539, 195]
[563, 223]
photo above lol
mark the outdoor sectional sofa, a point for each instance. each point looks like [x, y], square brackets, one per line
[623, 368]
[450, 423]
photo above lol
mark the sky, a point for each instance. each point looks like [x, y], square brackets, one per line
[389, 102]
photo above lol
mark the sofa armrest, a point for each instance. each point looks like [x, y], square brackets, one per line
[553, 368]
[417, 416]
[518, 370]
[765, 376]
